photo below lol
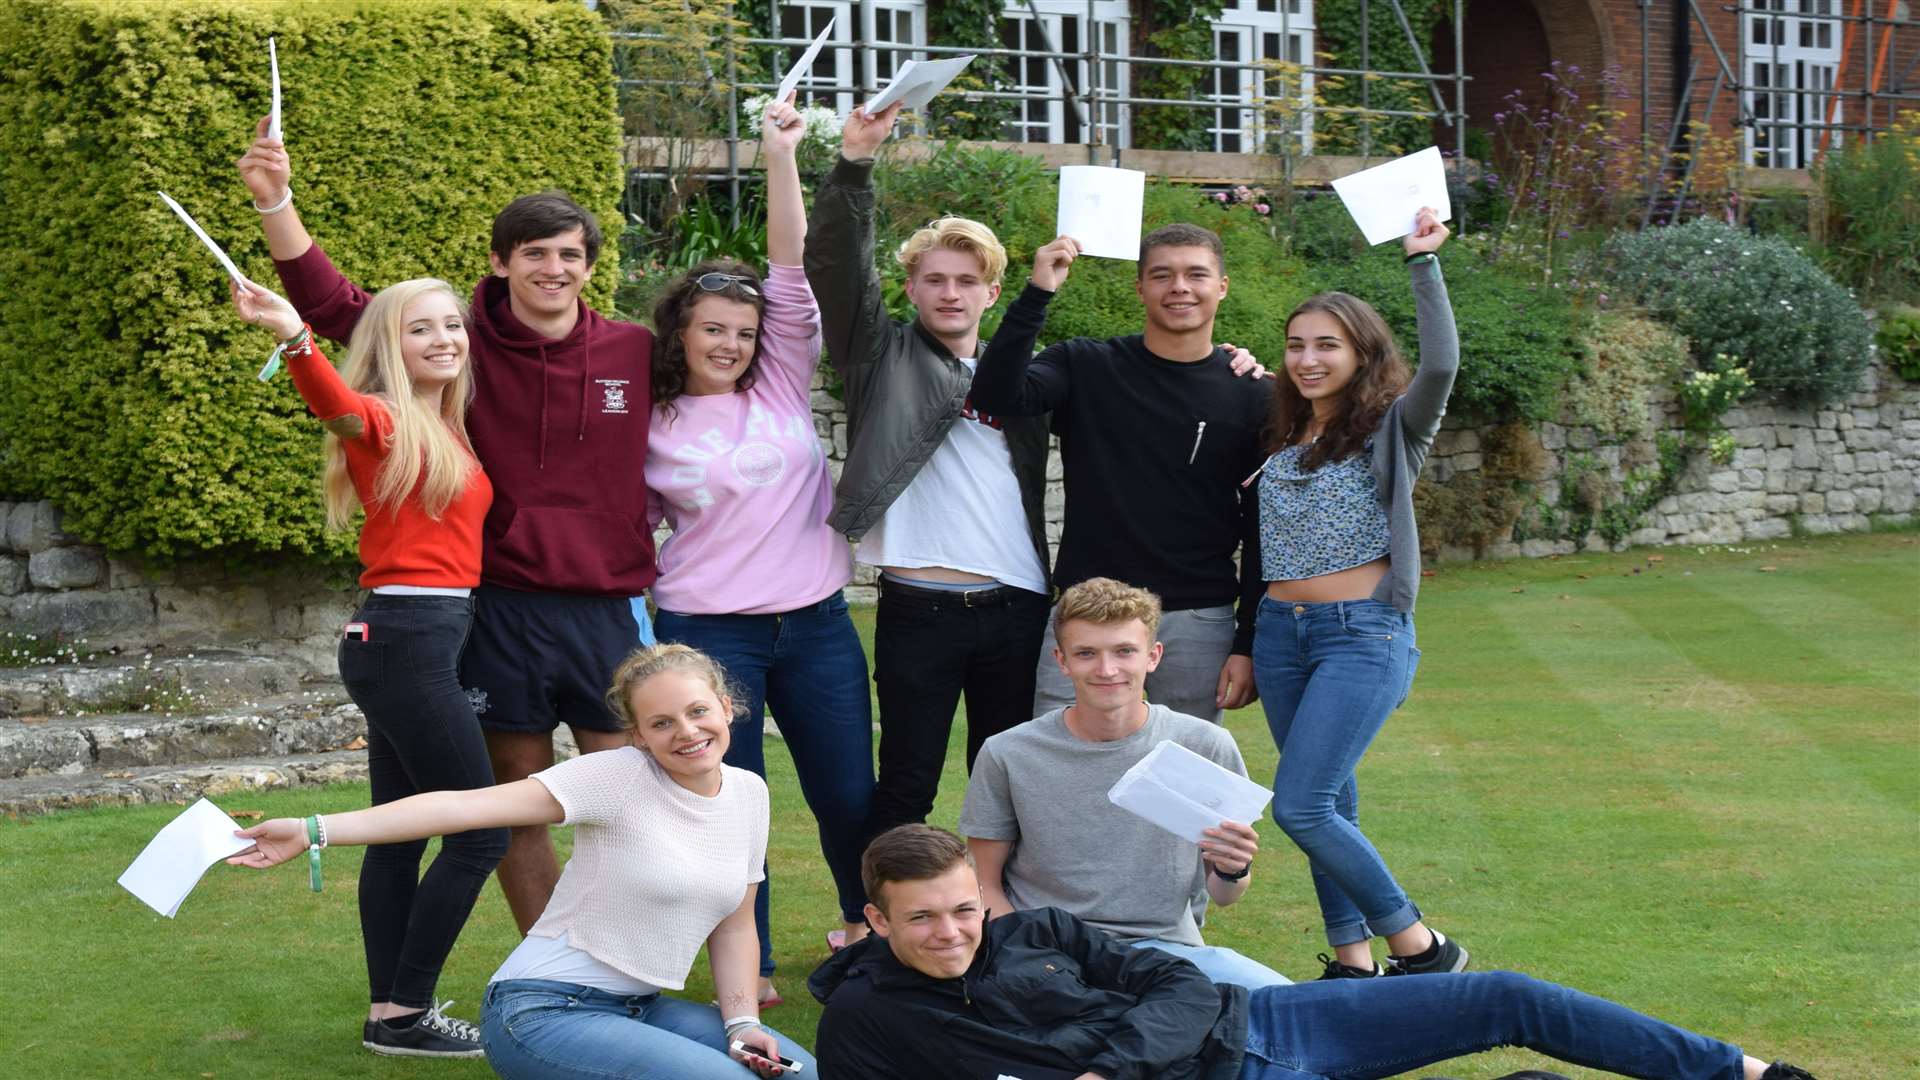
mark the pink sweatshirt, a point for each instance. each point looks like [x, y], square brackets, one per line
[742, 480]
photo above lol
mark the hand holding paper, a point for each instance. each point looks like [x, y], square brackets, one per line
[174, 861]
[1186, 794]
[1386, 199]
[1050, 263]
[1100, 207]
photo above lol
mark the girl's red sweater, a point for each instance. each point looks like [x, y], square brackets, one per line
[400, 545]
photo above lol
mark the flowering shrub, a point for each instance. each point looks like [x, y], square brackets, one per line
[1899, 340]
[1705, 396]
[823, 124]
[1800, 336]
[1562, 163]
[1623, 358]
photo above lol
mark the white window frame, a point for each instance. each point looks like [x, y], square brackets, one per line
[1260, 33]
[816, 88]
[1781, 52]
[1112, 19]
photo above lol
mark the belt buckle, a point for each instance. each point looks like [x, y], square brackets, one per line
[967, 597]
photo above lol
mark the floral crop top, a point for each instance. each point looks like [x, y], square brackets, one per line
[1319, 522]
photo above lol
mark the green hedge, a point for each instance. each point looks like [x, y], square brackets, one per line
[127, 390]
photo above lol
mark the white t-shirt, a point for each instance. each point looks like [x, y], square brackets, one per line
[556, 960]
[655, 867]
[962, 510]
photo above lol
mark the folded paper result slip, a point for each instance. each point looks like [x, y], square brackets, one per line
[174, 860]
[1186, 794]
[1386, 199]
[917, 82]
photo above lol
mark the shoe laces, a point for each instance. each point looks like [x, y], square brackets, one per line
[452, 1027]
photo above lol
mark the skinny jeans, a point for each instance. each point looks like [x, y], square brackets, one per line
[1329, 675]
[1362, 1029]
[421, 736]
[808, 666]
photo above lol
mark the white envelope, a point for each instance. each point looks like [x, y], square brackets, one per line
[1100, 208]
[804, 64]
[1385, 199]
[273, 62]
[226, 263]
[179, 854]
[1186, 794]
[916, 82]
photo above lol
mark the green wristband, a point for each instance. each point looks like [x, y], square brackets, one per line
[1422, 256]
[313, 852]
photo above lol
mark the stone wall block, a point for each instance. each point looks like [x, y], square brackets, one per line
[34, 527]
[1868, 500]
[1768, 529]
[98, 614]
[13, 575]
[66, 567]
[840, 441]
[1554, 437]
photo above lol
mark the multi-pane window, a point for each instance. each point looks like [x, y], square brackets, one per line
[1790, 60]
[832, 73]
[1263, 107]
[1060, 28]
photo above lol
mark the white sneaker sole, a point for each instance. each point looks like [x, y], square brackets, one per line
[400, 1051]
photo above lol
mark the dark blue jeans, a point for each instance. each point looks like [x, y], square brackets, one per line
[808, 667]
[1359, 1029]
[421, 736]
[1329, 675]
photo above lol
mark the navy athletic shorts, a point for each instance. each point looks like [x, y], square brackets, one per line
[538, 660]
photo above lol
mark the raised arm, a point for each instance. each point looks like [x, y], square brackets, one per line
[780, 133]
[1011, 380]
[323, 296]
[1439, 339]
[435, 813]
[347, 414]
[839, 262]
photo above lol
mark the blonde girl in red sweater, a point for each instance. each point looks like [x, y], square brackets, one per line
[396, 446]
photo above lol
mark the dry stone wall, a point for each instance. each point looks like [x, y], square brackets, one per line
[1832, 470]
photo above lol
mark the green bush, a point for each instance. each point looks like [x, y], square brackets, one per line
[1899, 340]
[1754, 298]
[1018, 197]
[1623, 358]
[127, 389]
[1873, 213]
[1516, 337]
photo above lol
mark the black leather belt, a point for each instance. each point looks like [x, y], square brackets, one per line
[986, 596]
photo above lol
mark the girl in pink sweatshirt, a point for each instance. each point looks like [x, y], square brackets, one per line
[752, 574]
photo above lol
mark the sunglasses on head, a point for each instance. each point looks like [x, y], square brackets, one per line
[718, 282]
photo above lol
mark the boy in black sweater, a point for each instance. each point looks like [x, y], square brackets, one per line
[1156, 434]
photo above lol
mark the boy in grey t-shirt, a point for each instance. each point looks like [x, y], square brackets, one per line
[1037, 818]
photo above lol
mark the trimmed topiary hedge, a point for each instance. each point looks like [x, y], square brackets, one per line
[127, 389]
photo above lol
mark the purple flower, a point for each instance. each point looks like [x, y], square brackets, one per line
[1263, 208]
[1219, 196]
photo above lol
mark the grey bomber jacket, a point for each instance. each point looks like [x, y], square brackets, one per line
[903, 388]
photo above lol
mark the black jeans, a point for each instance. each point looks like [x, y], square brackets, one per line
[930, 647]
[421, 736]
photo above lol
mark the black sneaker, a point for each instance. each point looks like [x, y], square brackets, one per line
[1524, 1074]
[1449, 957]
[1780, 1070]
[1338, 970]
[366, 1033]
[435, 1035]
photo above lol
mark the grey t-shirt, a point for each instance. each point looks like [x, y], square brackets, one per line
[1045, 789]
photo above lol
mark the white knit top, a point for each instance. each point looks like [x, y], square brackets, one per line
[655, 867]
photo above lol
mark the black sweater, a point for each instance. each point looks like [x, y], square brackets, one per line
[1047, 997]
[1154, 450]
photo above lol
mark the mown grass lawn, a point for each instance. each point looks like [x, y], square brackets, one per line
[1686, 780]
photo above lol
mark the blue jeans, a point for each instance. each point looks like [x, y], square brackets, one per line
[535, 1029]
[1358, 1029]
[808, 667]
[1221, 965]
[1328, 676]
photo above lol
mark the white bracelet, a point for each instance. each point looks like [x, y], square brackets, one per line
[320, 826]
[740, 1022]
[276, 207]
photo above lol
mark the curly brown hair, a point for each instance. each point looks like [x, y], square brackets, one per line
[670, 314]
[1380, 378]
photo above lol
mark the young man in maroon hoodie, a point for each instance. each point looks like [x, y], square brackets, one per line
[559, 421]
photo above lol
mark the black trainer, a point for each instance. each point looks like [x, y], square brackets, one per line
[1524, 1074]
[1780, 1070]
[1338, 970]
[1448, 957]
[434, 1034]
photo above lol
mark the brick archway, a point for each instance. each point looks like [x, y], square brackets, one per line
[1510, 43]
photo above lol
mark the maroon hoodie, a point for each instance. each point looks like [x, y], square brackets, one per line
[560, 425]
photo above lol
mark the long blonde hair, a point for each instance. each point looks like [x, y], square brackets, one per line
[427, 452]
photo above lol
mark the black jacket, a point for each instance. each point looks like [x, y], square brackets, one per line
[903, 388]
[1047, 998]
